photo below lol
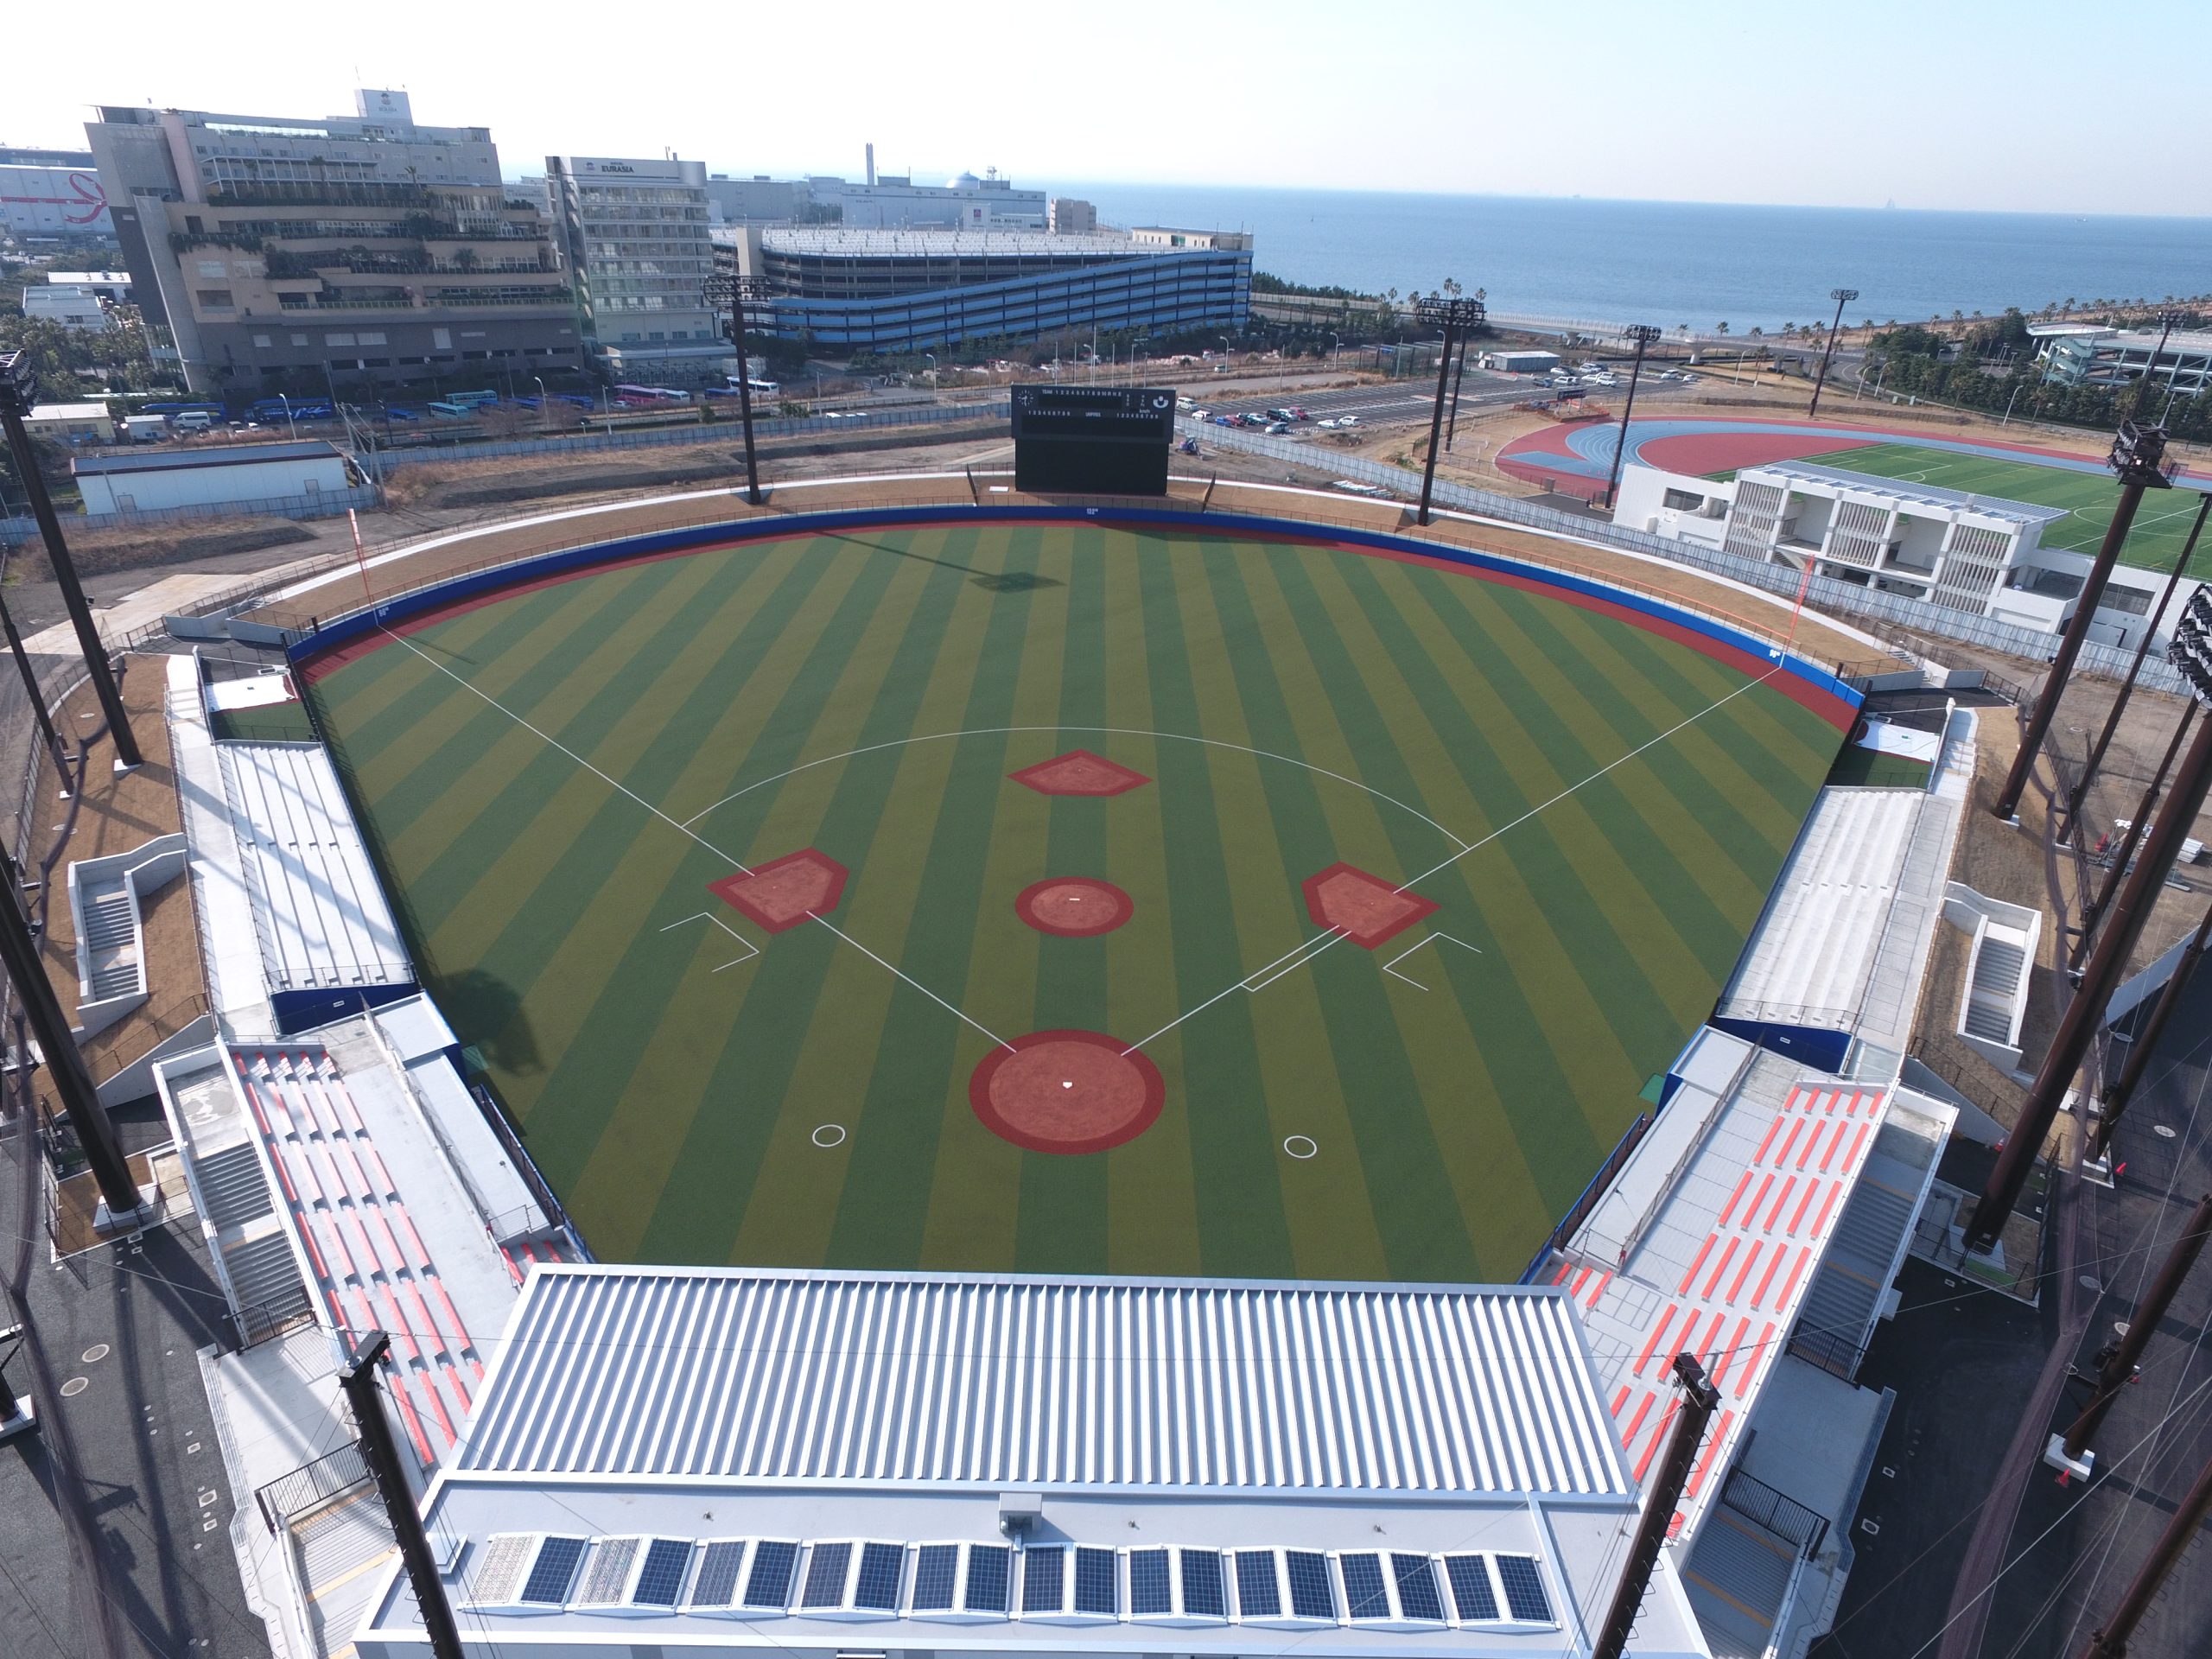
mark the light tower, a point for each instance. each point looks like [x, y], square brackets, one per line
[1642, 333]
[1452, 315]
[728, 288]
[1842, 296]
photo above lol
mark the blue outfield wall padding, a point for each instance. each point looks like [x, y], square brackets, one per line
[1818, 1046]
[305, 1010]
[471, 584]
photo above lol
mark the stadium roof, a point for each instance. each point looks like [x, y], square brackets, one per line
[754, 1375]
[228, 454]
[1930, 495]
[699, 1457]
[917, 245]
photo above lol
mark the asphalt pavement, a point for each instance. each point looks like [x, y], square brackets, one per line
[1965, 1361]
[114, 1511]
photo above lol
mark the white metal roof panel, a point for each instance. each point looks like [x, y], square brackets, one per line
[755, 1375]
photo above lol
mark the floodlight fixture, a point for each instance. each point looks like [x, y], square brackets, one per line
[1452, 313]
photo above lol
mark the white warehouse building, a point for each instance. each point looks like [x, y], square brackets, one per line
[220, 475]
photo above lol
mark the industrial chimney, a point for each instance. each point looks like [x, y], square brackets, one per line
[871, 167]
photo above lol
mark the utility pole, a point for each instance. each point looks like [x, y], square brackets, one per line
[1642, 333]
[36, 694]
[2191, 652]
[2166, 321]
[1458, 379]
[2146, 1038]
[64, 1066]
[2111, 1641]
[2136, 453]
[1453, 315]
[733, 289]
[2117, 1366]
[358, 1380]
[18, 392]
[2073, 807]
[1842, 296]
[1699, 1398]
[2130, 839]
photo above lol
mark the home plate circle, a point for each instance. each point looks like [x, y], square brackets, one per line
[1066, 1091]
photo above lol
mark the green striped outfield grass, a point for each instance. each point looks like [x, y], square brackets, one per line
[2154, 540]
[550, 780]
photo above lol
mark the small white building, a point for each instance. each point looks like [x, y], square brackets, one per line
[1521, 362]
[71, 422]
[67, 303]
[220, 475]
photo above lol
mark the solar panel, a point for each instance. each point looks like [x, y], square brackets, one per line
[717, 1580]
[1417, 1595]
[1043, 1569]
[876, 1589]
[1524, 1589]
[1365, 1593]
[825, 1575]
[500, 1568]
[1149, 1589]
[548, 1585]
[936, 1568]
[1311, 1595]
[608, 1572]
[990, 1570]
[769, 1583]
[1471, 1590]
[660, 1580]
[1206, 1593]
[1094, 1582]
[1257, 1594]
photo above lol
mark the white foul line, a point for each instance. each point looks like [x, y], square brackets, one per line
[685, 829]
[1331, 940]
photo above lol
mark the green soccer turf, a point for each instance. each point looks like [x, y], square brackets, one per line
[867, 693]
[2161, 523]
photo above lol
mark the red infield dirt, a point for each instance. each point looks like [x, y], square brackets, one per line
[1073, 906]
[1066, 1091]
[1365, 909]
[781, 894]
[1079, 772]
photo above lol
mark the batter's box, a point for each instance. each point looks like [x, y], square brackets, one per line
[790, 890]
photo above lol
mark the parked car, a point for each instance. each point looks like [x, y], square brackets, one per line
[1328, 426]
[1225, 420]
[1347, 419]
[1276, 428]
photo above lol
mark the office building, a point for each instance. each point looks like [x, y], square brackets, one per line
[336, 255]
[916, 291]
[49, 195]
[758, 200]
[634, 238]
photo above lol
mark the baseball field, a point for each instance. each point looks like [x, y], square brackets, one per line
[1069, 898]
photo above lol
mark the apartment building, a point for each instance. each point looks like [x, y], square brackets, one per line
[337, 255]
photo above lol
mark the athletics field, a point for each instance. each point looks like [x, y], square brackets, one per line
[2155, 540]
[1069, 898]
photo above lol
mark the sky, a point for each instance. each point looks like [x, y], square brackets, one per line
[1956, 105]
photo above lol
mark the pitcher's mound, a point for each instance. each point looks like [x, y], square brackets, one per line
[1066, 1091]
[1073, 906]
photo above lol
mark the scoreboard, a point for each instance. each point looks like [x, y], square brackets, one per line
[1092, 440]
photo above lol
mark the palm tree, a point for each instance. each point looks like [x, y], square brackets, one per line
[1722, 329]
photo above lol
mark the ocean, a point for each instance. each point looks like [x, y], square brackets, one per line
[1675, 263]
